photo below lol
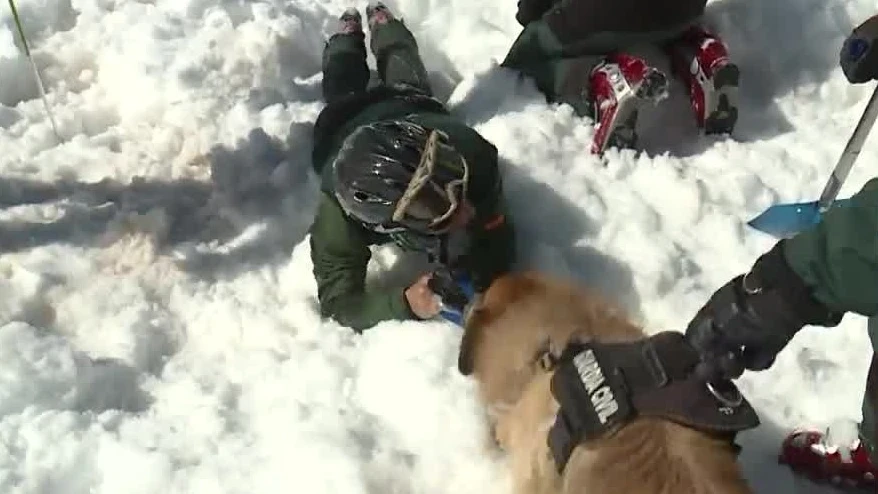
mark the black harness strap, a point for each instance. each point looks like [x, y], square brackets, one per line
[602, 386]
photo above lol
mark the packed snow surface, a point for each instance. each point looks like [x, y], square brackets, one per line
[158, 321]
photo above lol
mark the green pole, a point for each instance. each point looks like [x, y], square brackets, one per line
[34, 66]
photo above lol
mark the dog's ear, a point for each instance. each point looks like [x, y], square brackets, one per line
[502, 293]
[476, 319]
[465, 357]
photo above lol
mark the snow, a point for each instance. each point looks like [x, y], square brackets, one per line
[158, 322]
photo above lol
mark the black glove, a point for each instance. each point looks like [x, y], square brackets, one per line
[858, 56]
[531, 10]
[748, 321]
[443, 283]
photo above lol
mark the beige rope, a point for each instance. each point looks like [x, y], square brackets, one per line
[421, 176]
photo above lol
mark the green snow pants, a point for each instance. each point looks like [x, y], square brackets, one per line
[396, 52]
[563, 76]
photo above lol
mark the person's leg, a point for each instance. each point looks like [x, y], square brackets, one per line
[845, 452]
[396, 50]
[344, 59]
[610, 89]
[620, 87]
[869, 425]
[602, 82]
[537, 53]
[701, 60]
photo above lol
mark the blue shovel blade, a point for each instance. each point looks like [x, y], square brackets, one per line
[786, 220]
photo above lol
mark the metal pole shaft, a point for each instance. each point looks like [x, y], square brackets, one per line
[849, 155]
[30, 57]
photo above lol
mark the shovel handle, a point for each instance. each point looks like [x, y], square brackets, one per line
[849, 154]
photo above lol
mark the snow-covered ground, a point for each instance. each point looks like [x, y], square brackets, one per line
[158, 323]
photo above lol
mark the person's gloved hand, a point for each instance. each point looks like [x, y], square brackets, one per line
[750, 319]
[421, 298]
[449, 286]
[456, 292]
[859, 56]
[531, 10]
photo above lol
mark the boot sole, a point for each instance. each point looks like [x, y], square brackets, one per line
[724, 113]
[654, 86]
[652, 89]
[624, 135]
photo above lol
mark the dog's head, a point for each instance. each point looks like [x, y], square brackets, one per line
[485, 319]
[522, 321]
[501, 295]
[523, 317]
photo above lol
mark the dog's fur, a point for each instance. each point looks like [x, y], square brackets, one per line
[519, 319]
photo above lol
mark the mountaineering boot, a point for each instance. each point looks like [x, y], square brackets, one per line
[350, 22]
[842, 461]
[377, 13]
[619, 87]
[701, 60]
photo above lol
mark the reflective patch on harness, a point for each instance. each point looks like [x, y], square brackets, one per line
[601, 386]
[593, 398]
[603, 401]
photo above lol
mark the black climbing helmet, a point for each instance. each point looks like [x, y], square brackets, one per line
[398, 175]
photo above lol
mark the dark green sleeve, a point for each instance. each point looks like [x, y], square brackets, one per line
[340, 254]
[493, 249]
[839, 256]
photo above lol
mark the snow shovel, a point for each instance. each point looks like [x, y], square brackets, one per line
[786, 220]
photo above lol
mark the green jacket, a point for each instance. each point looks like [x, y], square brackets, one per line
[839, 256]
[340, 246]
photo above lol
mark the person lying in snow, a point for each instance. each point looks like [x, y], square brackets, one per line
[813, 279]
[576, 53]
[396, 167]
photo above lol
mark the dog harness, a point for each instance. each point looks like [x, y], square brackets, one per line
[601, 386]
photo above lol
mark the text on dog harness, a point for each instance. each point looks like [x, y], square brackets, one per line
[602, 386]
[602, 399]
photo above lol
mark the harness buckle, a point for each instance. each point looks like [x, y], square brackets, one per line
[734, 401]
[654, 365]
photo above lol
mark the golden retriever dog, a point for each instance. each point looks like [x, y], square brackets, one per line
[512, 338]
